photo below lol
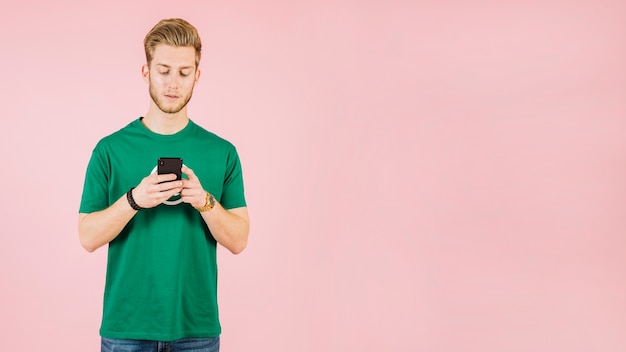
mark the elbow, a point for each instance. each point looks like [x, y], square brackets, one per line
[82, 236]
[89, 249]
[88, 246]
[238, 249]
[241, 243]
[85, 241]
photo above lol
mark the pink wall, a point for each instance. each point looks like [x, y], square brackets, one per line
[420, 176]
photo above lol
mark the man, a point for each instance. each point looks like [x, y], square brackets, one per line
[162, 232]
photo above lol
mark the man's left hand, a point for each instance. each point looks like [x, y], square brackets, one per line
[192, 193]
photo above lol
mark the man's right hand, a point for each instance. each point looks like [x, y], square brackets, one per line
[150, 192]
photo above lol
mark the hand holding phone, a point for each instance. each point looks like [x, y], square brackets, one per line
[147, 196]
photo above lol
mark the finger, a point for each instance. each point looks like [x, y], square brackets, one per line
[163, 196]
[194, 199]
[169, 185]
[190, 174]
[165, 178]
[192, 192]
[191, 184]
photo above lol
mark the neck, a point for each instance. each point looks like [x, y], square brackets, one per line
[163, 123]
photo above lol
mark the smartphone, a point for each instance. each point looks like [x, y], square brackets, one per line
[170, 166]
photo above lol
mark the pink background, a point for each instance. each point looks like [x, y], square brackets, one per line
[420, 176]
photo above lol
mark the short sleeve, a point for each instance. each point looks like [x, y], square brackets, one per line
[95, 190]
[233, 190]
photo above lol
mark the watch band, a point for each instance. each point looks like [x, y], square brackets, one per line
[210, 203]
[131, 200]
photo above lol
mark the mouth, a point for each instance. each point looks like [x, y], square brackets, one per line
[171, 96]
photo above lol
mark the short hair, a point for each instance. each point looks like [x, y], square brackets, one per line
[174, 32]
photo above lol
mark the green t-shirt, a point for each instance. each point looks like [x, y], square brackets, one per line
[161, 281]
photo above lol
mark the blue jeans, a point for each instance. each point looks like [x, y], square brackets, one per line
[210, 344]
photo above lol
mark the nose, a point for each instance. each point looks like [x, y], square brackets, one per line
[173, 81]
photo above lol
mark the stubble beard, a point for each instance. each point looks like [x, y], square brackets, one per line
[161, 105]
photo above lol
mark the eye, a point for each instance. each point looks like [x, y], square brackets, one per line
[184, 74]
[164, 72]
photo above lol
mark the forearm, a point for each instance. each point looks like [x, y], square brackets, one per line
[229, 227]
[101, 227]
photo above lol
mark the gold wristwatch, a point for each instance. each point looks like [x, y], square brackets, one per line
[210, 203]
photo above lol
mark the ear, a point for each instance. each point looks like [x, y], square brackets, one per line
[197, 76]
[145, 72]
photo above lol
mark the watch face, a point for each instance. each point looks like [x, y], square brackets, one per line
[212, 200]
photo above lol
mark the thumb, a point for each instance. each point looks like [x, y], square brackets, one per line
[189, 172]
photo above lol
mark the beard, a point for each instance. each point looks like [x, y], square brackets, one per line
[162, 105]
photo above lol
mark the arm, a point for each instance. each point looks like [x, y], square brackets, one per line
[230, 227]
[101, 227]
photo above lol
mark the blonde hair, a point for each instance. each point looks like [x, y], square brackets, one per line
[174, 32]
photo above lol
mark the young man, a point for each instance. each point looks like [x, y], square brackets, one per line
[162, 232]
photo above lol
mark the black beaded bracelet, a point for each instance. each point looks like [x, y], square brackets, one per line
[131, 200]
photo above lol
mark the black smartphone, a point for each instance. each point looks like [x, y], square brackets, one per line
[170, 166]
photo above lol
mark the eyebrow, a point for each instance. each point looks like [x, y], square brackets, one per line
[182, 68]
